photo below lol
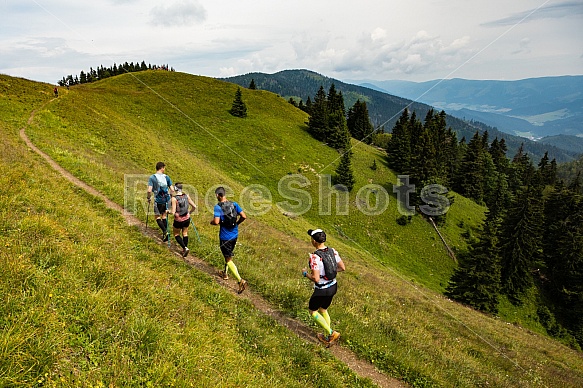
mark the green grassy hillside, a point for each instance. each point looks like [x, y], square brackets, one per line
[389, 308]
[88, 301]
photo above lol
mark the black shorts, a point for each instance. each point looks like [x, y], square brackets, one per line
[322, 298]
[160, 208]
[227, 247]
[181, 224]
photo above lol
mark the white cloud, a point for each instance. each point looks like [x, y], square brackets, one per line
[179, 13]
[382, 40]
[375, 50]
[378, 33]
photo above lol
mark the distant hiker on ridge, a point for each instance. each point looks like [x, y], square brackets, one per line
[160, 184]
[228, 215]
[324, 263]
[181, 207]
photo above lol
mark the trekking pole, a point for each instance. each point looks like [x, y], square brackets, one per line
[168, 224]
[195, 231]
[148, 215]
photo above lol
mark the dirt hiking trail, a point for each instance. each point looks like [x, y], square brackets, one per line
[360, 367]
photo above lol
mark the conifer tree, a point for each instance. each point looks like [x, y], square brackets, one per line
[302, 106]
[399, 145]
[318, 120]
[498, 151]
[547, 170]
[337, 134]
[476, 282]
[309, 104]
[344, 174]
[563, 255]
[252, 85]
[520, 239]
[238, 109]
[519, 170]
[471, 177]
[358, 122]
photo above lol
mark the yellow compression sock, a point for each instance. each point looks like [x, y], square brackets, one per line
[322, 322]
[234, 270]
[326, 317]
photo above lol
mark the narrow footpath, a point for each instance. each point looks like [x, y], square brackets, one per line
[360, 367]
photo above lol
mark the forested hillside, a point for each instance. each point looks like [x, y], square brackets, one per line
[384, 108]
[91, 300]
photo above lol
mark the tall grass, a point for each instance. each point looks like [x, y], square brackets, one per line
[89, 302]
[389, 307]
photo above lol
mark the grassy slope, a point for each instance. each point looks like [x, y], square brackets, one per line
[105, 130]
[89, 301]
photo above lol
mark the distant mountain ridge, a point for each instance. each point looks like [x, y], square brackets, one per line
[533, 107]
[384, 108]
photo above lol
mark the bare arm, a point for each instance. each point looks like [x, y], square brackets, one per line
[242, 217]
[173, 200]
[191, 203]
[313, 276]
[149, 194]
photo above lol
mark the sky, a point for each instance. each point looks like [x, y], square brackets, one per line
[45, 40]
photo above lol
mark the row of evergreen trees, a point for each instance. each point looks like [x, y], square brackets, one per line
[102, 72]
[329, 123]
[533, 232]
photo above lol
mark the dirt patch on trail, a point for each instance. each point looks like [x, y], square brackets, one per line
[360, 367]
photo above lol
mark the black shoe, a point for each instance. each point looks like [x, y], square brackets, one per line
[185, 252]
[165, 238]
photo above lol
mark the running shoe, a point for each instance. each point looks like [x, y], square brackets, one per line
[242, 286]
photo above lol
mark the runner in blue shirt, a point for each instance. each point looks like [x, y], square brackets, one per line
[228, 215]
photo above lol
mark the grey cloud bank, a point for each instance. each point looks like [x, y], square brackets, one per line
[377, 39]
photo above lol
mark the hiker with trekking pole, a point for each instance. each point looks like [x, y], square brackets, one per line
[228, 215]
[323, 264]
[182, 205]
[160, 184]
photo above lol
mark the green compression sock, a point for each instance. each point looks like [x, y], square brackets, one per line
[322, 322]
[326, 316]
[234, 270]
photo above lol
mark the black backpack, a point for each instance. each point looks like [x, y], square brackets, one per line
[330, 265]
[182, 205]
[229, 214]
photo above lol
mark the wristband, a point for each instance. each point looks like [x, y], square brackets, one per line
[305, 273]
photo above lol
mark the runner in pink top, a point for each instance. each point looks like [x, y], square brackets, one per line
[182, 204]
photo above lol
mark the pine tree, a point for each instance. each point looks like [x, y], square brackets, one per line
[358, 122]
[471, 178]
[238, 109]
[498, 151]
[476, 282]
[563, 255]
[301, 106]
[318, 120]
[519, 170]
[309, 104]
[344, 174]
[252, 85]
[520, 240]
[337, 134]
[399, 145]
